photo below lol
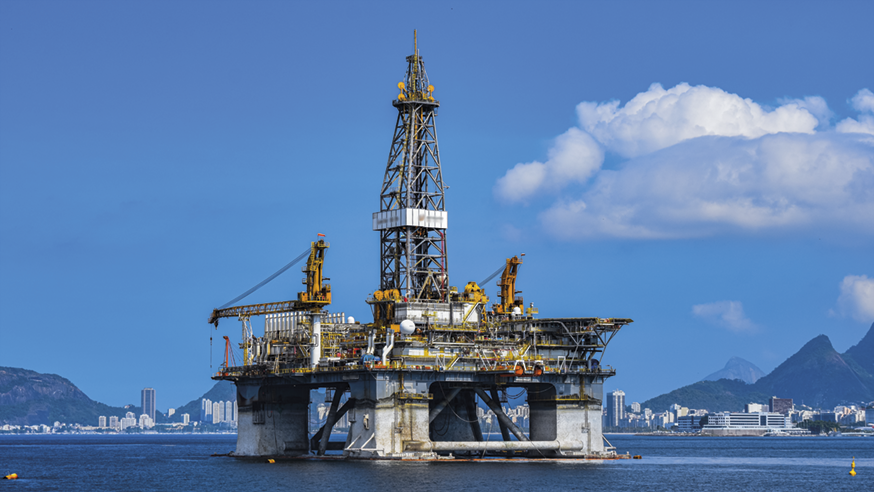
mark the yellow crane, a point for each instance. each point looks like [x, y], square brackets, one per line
[508, 289]
[316, 296]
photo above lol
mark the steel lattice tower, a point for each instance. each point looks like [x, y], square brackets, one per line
[412, 220]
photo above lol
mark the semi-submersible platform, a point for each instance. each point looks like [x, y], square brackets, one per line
[409, 382]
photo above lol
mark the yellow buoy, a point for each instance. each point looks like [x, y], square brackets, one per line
[853, 468]
[11, 477]
[271, 460]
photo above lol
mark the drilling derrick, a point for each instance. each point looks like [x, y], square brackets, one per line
[412, 219]
[415, 383]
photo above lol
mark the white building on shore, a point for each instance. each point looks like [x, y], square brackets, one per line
[747, 424]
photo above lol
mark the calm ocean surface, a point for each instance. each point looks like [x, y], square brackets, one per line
[164, 462]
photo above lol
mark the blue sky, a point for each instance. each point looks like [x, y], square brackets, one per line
[159, 158]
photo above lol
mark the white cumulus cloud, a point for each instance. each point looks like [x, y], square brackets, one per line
[573, 157]
[857, 297]
[728, 314]
[863, 102]
[703, 162]
[659, 118]
[710, 185]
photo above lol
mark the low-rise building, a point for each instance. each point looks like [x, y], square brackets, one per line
[746, 424]
[689, 423]
[755, 407]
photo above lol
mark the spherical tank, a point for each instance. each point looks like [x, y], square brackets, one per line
[407, 327]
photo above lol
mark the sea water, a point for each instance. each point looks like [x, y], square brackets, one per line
[184, 462]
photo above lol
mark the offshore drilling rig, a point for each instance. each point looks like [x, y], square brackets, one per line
[409, 382]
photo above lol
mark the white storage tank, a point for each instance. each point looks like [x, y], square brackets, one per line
[408, 327]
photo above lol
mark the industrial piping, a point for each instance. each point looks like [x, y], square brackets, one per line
[492, 446]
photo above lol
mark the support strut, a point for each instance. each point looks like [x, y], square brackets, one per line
[440, 406]
[329, 423]
[314, 441]
[470, 406]
[499, 413]
[505, 433]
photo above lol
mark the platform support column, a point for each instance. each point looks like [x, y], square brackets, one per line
[273, 422]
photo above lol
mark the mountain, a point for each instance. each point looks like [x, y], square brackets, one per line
[817, 376]
[737, 368]
[30, 398]
[713, 396]
[860, 358]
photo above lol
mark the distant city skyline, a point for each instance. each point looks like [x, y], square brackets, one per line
[688, 419]
[218, 412]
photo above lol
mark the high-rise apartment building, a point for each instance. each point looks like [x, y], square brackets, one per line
[780, 405]
[635, 407]
[148, 400]
[113, 422]
[206, 410]
[615, 408]
[185, 419]
[229, 411]
[101, 422]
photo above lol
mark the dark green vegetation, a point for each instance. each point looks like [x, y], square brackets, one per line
[816, 376]
[725, 394]
[30, 398]
[819, 426]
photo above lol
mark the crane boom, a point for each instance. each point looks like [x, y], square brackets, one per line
[313, 299]
[252, 310]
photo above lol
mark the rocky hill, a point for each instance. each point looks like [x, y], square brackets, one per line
[724, 394]
[860, 358]
[817, 376]
[737, 368]
[30, 398]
